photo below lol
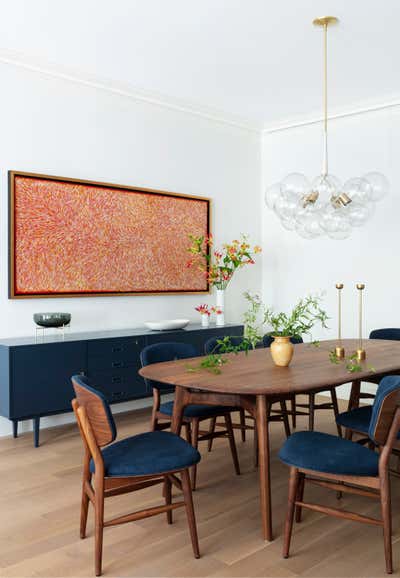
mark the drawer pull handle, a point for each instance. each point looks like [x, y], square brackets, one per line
[117, 364]
[116, 380]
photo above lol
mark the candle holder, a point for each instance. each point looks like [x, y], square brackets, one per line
[361, 353]
[339, 350]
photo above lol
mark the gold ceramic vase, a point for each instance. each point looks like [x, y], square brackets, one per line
[281, 351]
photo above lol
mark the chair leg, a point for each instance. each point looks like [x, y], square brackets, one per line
[195, 444]
[168, 497]
[311, 410]
[336, 409]
[187, 496]
[232, 443]
[293, 483]
[84, 510]
[211, 430]
[299, 498]
[242, 424]
[156, 406]
[188, 434]
[387, 522]
[348, 434]
[285, 417]
[99, 524]
[293, 410]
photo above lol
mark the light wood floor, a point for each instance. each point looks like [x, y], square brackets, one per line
[39, 506]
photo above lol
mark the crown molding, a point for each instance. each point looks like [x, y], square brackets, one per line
[363, 108]
[52, 70]
[150, 97]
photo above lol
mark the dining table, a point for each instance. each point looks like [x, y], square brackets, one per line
[252, 381]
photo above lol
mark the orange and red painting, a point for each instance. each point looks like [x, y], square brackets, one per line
[72, 238]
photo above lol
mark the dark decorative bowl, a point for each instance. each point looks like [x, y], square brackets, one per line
[52, 319]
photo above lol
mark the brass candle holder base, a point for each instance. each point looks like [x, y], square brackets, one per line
[339, 351]
[361, 354]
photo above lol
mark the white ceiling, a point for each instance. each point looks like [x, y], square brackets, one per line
[257, 59]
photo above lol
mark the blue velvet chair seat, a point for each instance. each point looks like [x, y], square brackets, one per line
[197, 410]
[357, 419]
[148, 453]
[322, 452]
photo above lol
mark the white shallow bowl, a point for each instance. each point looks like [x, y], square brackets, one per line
[166, 324]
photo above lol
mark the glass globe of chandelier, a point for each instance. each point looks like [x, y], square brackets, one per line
[325, 206]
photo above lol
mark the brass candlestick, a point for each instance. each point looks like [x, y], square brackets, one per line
[339, 350]
[361, 353]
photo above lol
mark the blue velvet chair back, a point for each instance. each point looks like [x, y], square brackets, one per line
[386, 402]
[165, 351]
[390, 333]
[97, 410]
[267, 340]
[211, 345]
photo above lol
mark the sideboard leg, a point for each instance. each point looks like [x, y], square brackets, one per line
[15, 428]
[36, 428]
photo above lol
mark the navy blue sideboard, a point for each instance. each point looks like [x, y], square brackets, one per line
[35, 376]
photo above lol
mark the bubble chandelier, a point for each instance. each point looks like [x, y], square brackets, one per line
[324, 206]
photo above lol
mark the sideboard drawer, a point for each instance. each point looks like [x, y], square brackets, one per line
[119, 384]
[111, 354]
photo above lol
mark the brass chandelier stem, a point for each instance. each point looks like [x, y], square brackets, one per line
[325, 93]
[325, 21]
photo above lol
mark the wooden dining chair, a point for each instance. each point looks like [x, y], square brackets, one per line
[213, 345]
[356, 419]
[345, 466]
[193, 415]
[136, 462]
[310, 407]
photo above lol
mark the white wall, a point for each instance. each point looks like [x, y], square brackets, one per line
[55, 126]
[293, 267]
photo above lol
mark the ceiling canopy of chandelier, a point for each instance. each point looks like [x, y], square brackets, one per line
[324, 206]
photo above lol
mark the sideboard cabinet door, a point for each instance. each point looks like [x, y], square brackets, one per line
[42, 377]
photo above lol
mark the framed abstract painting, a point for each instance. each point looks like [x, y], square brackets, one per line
[73, 238]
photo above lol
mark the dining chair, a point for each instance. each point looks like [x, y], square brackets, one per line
[111, 468]
[193, 415]
[213, 345]
[310, 406]
[346, 466]
[356, 419]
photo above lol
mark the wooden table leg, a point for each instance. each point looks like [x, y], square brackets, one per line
[179, 405]
[263, 464]
[354, 399]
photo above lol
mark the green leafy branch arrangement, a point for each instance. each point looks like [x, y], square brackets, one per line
[304, 316]
[214, 361]
[299, 322]
[351, 362]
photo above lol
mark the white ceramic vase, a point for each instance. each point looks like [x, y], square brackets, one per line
[220, 303]
[205, 320]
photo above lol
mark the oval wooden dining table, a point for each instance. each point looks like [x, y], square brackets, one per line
[253, 382]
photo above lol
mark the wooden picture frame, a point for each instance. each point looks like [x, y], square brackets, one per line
[78, 238]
